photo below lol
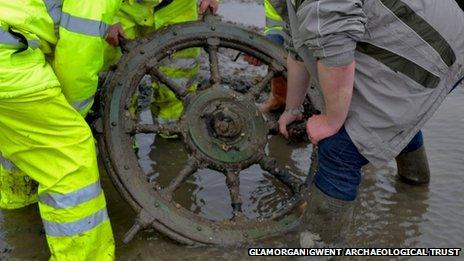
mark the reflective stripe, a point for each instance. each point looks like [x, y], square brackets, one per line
[399, 64]
[426, 31]
[186, 82]
[34, 44]
[56, 229]
[8, 165]
[166, 121]
[179, 81]
[276, 27]
[83, 25]
[61, 201]
[9, 39]
[181, 63]
[81, 105]
[273, 23]
[54, 11]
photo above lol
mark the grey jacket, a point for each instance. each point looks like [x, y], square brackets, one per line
[409, 54]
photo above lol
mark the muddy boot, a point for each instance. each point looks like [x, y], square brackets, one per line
[327, 220]
[413, 167]
[277, 96]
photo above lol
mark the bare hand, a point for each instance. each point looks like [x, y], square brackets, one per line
[252, 60]
[318, 128]
[286, 119]
[208, 4]
[114, 33]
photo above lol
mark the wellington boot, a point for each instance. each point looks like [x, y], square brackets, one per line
[326, 219]
[413, 167]
[276, 99]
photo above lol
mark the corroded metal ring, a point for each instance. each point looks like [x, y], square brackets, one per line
[224, 129]
[221, 128]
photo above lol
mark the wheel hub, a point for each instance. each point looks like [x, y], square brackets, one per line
[225, 123]
[224, 129]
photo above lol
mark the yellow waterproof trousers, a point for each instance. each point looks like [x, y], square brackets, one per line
[17, 189]
[182, 67]
[43, 136]
[138, 19]
[274, 22]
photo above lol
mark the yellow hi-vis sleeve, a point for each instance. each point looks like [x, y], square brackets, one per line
[79, 54]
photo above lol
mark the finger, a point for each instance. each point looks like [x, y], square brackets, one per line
[311, 139]
[314, 141]
[214, 7]
[203, 6]
[283, 129]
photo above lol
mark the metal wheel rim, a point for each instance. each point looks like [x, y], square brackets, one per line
[125, 172]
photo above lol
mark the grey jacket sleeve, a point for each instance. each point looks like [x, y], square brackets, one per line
[331, 28]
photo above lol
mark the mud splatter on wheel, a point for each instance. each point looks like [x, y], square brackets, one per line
[221, 128]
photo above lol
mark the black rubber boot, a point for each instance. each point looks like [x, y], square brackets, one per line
[327, 220]
[413, 167]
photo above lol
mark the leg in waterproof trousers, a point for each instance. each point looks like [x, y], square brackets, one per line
[47, 139]
[181, 67]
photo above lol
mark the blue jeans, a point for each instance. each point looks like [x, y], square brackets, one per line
[340, 162]
[276, 38]
[339, 173]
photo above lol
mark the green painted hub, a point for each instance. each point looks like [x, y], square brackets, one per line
[224, 126]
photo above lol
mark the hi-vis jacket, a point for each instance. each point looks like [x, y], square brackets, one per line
[409, 55]
[276, 18]
[71, 31]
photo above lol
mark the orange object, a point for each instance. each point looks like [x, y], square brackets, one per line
[276, 99]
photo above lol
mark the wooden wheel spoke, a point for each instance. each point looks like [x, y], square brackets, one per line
[257, 89]
[169, 128]
[233, 184]
[212, 50]
[190, 168]
[180, 91]
[270, 165]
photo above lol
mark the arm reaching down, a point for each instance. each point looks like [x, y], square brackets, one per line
[331, 29]
[337, 88]
[297, 84]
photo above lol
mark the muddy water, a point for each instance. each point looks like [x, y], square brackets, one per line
[388, 212]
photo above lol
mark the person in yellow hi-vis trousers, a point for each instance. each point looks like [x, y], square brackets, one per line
[136, 18]
[42, 137]
[276, 30]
